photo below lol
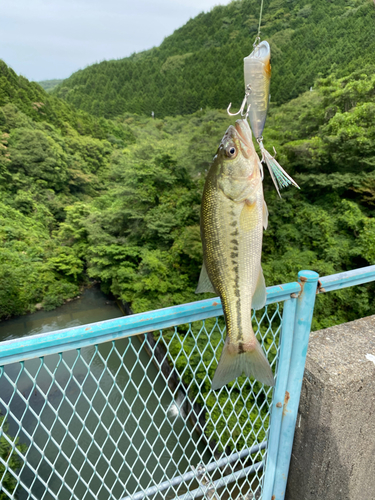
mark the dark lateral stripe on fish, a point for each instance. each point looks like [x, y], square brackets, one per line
[232, 251]
[238, 303]
[236, 291]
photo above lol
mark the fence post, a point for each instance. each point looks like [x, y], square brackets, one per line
[304, 313]
[286, 344]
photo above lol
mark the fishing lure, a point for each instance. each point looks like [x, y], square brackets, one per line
[257, 72]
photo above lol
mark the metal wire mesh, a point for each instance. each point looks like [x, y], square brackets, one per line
[136, 418]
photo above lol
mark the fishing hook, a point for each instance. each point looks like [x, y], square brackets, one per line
[260, 142]
[241, 111]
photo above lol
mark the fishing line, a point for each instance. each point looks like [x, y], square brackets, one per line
[257, 39]
[257, 69]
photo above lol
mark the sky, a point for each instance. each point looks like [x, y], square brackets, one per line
[47, 39]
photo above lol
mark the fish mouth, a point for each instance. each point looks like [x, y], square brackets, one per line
[244, 131]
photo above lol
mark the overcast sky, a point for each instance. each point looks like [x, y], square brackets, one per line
[46, 39]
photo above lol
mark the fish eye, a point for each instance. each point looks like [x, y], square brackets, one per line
[231, 151]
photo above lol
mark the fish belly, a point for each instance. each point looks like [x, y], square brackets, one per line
[232, 257]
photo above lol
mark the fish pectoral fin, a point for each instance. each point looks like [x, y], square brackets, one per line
[204, 283]
[248, 217]
[260, 295]
[265, 215]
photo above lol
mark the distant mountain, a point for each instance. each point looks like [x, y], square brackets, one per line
[200, 64]
[40, 106]
[48, 85]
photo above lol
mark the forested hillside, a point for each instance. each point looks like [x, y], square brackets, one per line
[48, 85]
[50, 157]
[200, 65]
[118, 201]
[116, 197]
[30, 99]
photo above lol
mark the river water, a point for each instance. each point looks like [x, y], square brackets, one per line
[71, 441]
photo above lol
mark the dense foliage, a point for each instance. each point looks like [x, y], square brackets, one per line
[123, 207]
[200, 65]
[8, 454]
[48, 85]
[232, 415]
[50, 156]
[84, 197]
[31, 100]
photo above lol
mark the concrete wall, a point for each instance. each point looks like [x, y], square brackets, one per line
[334, 445]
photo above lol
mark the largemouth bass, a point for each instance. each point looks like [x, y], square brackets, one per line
[233, 215]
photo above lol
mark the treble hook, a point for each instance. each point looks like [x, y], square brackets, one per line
[260, 142]
[241, 111]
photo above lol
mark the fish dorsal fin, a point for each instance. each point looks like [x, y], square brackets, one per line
[204, 283]
[265, 215]
[248, 217]
[260, 295]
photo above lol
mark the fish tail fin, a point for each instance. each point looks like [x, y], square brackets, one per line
[252, 362]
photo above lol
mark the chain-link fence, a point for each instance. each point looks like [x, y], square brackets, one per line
[135, 415]
[123, 409]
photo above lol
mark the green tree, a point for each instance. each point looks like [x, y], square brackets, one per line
[11, 452]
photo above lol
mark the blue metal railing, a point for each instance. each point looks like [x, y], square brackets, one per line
[90, 416]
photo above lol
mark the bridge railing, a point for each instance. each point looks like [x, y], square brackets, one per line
[122, 409]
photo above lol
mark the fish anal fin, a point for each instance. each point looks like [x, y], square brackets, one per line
[260, 295]
[204, 283]
[248, 216]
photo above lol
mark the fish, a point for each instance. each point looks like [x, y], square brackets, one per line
[233, 216]
[257, 73]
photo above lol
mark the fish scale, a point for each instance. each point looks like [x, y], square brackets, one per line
[231, 229]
